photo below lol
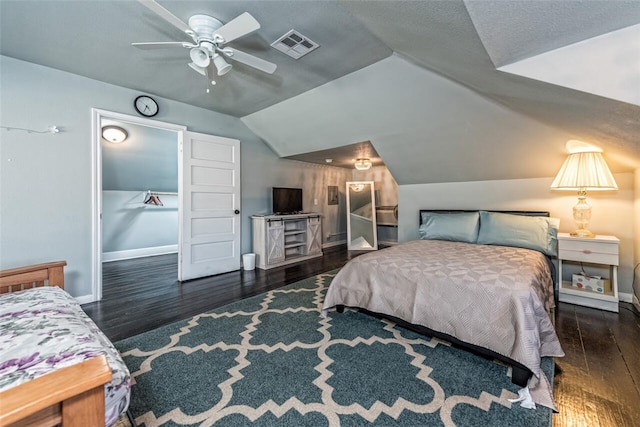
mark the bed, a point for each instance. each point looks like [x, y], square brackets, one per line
[56, 366]
[479, 279]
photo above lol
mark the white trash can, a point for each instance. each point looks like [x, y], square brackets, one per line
[249, 261]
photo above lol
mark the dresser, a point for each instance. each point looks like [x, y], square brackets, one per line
[578, 253]
[284, 239]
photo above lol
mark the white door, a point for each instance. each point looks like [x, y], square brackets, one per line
[209, 236]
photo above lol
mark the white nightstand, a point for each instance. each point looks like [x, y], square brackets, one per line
[601, 250]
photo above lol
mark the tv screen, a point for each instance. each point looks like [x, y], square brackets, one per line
[287, 200]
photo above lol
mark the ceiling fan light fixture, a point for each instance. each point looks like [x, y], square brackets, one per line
[114, 134]
[362, 164]
[222, 66]
[209, 37]
[200, 57]
[198, 69]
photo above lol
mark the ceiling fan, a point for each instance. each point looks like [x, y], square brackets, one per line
[207, 50]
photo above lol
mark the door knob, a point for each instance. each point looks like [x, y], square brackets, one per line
[236, 212]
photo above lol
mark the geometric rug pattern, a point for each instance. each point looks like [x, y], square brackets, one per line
[274, 360]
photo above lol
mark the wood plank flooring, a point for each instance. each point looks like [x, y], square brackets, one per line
[597, 383]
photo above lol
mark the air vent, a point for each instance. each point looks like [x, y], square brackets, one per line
[295, 44]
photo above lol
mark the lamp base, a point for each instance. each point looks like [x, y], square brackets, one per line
[582, 233]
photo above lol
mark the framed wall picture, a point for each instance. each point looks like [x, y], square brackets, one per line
[332, 195]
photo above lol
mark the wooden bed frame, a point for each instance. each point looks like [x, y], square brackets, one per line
[520, 374]
[71, 396]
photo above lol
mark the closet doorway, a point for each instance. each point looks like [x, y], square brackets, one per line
[204, 209]
[139, 202]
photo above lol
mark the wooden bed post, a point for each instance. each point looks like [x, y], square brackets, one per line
[16, 279]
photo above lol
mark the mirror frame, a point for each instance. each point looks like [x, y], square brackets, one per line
[373, 214]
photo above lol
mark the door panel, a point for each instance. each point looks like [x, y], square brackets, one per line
[210, 220]
[314, 235]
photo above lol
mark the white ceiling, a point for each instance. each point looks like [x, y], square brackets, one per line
[449, 49]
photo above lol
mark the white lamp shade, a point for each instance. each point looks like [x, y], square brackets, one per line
[222, 66]
[114, 134]
[200, 57]
[586, 171]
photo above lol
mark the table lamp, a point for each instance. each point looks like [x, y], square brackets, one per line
[584, 170]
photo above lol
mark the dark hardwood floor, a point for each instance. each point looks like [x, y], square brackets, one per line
[597, 383]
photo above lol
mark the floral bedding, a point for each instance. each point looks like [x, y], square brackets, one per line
[45, 329]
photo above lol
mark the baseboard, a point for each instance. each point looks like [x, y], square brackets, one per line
[625, 297]
[332, 244]
[84, 299]
[139, 253]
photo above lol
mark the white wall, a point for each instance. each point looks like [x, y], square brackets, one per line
[612, 214]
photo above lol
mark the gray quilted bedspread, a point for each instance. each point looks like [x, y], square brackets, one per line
[495, 297]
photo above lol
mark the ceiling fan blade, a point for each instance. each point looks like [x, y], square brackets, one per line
[238, 27]
[161, 45]
[167, 16]
[250, 60]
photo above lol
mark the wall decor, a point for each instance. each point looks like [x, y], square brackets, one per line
[332, 195]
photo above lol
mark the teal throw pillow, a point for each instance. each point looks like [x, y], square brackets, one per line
[457, 227]
[530, 232]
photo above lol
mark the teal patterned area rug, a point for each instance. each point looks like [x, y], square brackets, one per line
[273, 360]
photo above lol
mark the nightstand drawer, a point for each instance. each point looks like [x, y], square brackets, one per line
[597, 252]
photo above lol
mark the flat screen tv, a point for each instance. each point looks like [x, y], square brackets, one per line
[287, 200]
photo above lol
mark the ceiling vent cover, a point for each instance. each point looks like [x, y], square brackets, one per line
[295, 44]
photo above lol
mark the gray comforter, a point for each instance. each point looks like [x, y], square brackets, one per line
[495, 297]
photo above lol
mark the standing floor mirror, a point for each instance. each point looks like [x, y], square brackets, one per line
[361, 216]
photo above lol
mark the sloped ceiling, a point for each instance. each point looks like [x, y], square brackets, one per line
[418, 79]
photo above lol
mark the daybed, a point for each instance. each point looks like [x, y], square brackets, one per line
[56, 366]
[482, 280]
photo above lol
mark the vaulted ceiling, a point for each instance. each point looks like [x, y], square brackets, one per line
[444, 90]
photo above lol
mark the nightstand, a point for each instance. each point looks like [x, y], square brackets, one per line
[601, 250]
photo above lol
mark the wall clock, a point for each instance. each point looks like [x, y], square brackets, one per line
[146, 106]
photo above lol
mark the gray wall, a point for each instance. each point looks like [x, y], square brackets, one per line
[128, 225]
[45, 179]
[425, 127]
[146, 160]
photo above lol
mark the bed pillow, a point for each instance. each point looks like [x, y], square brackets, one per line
[530, 232]
[457, 227]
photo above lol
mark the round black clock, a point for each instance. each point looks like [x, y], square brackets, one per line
[146, 106]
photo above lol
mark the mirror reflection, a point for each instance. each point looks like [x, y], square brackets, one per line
[361, 216]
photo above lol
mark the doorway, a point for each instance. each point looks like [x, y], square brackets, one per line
[130, 172]
[139, 205]
[208, 200]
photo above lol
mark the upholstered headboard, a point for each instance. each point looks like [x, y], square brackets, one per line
[528, 213]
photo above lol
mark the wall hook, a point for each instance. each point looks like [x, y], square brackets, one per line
[50, 129]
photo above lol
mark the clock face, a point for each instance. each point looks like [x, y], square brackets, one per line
[146, 106]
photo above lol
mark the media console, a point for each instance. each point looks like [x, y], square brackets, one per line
[284, 239]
